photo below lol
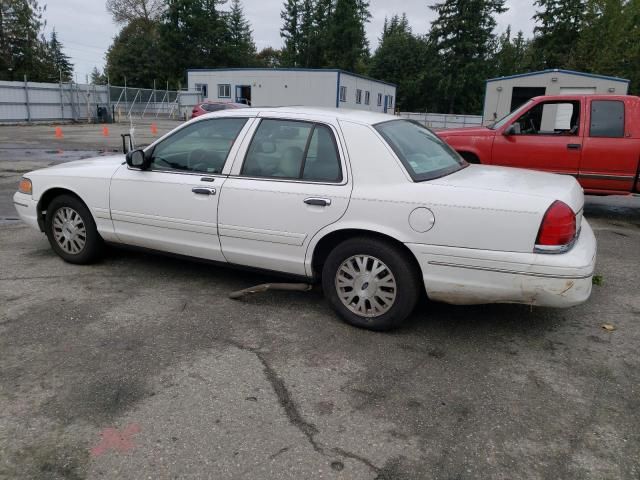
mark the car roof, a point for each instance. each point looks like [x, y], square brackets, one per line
[358, 116]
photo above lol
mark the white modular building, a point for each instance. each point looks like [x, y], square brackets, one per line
[505, 94]
[270, 87]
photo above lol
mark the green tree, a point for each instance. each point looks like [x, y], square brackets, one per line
[134, 55]
[23, 49]
[193, 34]
[242, 49]
[347, 46]
[126, 11]
[269, 57]
[60, 62]
[401, 58]
[307, 48]
[559, 23]
[511, 56]
[97, 77]
[290, 32]
[463, 37]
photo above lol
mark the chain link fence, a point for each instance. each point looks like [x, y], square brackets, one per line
[26, 101]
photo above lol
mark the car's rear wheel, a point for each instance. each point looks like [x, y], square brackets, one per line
[72, 231]
[370, 283]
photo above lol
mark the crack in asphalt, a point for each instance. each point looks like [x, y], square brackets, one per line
[292, 411]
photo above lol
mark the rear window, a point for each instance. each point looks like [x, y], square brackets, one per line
[420, 150]
[607, 118]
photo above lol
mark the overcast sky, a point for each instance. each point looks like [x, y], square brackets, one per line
[86, 30]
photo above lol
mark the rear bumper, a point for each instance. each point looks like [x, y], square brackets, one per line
[27, 209]
[467, 276]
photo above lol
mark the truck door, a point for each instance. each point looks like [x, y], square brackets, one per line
[547, 136]
[610, 155]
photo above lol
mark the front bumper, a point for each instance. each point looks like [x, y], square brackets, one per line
[27, 209]
[466, 276]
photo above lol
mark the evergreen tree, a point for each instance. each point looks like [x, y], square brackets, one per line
[290, 32]
[401, 58]
[60, 62]
[23, 50]
[347, 46]
[193, 34]
[557, 33]
[97, 77]
[269, 57]
[463, 37]
[511, 56]
[242, 50]
[134, 55]
[307, 50]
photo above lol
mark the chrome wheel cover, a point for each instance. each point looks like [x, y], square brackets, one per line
[366, 286]
[69, 230]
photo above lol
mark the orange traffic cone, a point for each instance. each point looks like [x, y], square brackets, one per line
[105, 131]
[59, 133]
[154, 129]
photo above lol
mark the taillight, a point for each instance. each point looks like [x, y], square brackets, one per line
[558, 228]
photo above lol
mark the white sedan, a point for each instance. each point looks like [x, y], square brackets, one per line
[376, 208]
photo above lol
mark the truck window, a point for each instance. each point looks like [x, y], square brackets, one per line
[550, 118]
[607, 119]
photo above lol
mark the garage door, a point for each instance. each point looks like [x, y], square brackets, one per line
[563, 115]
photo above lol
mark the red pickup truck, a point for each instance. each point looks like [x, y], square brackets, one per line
[595, 138]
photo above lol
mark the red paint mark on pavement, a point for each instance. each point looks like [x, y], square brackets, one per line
[114, 439]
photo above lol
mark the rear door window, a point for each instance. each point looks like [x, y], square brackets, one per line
[607, 119]
[295, 150]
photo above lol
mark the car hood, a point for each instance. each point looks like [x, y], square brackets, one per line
[548, 187]
[90, 167]
[465, 132]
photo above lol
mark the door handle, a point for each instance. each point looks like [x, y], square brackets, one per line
[319, 202]
[204, 191]
[574, 146]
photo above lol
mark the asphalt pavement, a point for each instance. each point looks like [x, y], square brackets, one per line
[142, 367]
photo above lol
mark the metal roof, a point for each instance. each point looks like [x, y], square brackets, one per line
[558, 70]
[330, 70]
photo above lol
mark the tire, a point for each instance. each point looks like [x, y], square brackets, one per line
[72, 232]
[374, 310]
[470, 157]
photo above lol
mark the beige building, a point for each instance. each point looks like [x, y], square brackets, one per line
[505, 94]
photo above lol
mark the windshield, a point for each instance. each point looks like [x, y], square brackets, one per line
[421, 151]
[508, 117]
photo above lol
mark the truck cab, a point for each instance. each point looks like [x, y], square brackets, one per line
[595, 138]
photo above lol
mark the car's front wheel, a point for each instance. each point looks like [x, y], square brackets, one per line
[72, 231]
[371, 283]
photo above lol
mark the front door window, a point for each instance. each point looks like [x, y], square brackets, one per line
[201, 147]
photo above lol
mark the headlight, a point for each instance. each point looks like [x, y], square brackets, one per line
[25, 186]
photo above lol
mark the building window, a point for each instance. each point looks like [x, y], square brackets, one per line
[367, 98]
[390, 101]
[379, 99]
[224, 90]
[202, 88]
[358, 96]
[343, 94]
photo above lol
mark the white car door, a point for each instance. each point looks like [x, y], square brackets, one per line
[173, 205]
[289, 180]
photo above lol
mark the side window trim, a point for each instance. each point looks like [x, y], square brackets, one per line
[243, 154]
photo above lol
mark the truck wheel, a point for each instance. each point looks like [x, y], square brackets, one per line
[469, 157]
[72, 231]
[370, 283]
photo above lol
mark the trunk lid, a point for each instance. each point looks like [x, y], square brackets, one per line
[549, 186]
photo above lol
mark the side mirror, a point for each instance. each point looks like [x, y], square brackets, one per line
[137, 159]
[513, 129]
